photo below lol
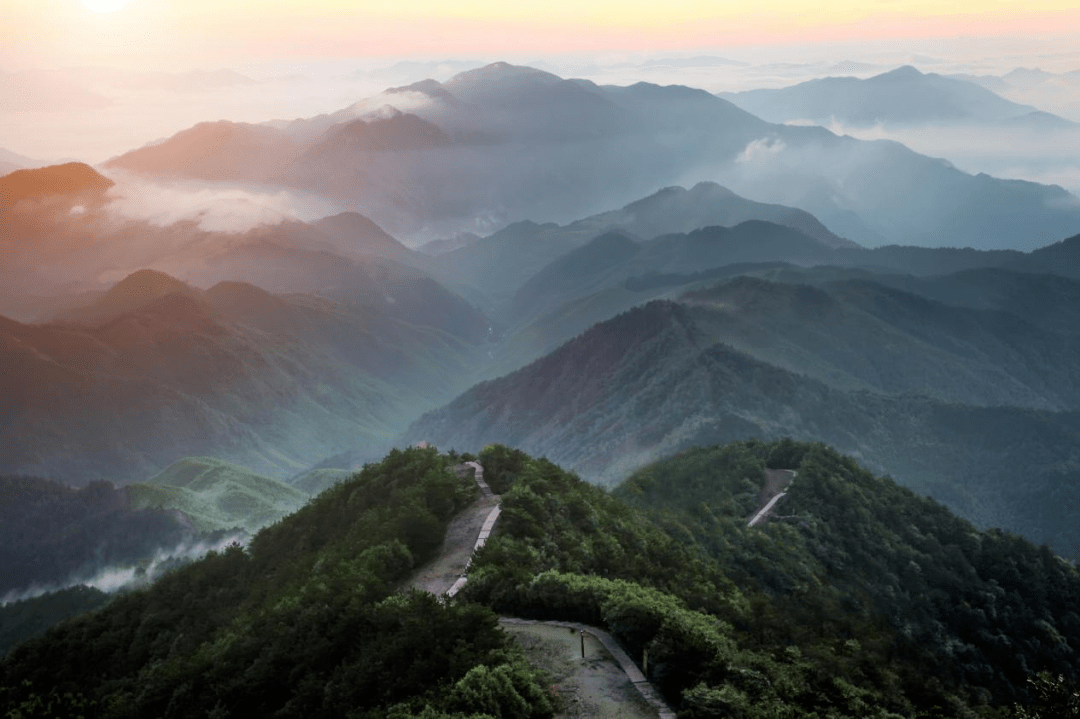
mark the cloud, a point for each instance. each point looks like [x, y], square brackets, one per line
[1072, 202]
[112, 579]
[213, 207]
[761, 150]
[385, 104]
[1044, 155]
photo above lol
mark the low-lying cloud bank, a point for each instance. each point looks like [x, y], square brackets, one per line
[1044, 155]
[212, 207]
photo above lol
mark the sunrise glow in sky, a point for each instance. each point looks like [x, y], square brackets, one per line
[208, 32]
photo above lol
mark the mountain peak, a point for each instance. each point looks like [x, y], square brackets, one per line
[501, 71]
[145, 286]
[708, 188]
[359, 233]
[71, 179]
[130, 294]
[148, 280]
[904, 72]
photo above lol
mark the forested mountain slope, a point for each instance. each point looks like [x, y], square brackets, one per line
[861, 334]
[304, 622]
[272, 382]
[861, 600]
[657, 379]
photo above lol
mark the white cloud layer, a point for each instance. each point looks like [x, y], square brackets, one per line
[761, 150]
[116, 578]
[214, 208]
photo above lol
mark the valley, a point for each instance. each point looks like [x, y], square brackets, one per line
[363, 411]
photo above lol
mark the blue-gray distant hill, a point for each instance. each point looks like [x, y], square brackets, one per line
[615, 266]
[498, 265]
[903, 96]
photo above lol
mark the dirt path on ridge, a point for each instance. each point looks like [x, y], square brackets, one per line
[438, 575]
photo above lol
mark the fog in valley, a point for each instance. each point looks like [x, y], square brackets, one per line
[341, 343]
[126, 577]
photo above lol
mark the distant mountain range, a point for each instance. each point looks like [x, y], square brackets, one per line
[1057, 91]
[1023, 77]
[615, 272]
[505, 143]
[499, 264]
[156, 370]
[295, 344]
[903, 96]
[59, 239]
[327, 338]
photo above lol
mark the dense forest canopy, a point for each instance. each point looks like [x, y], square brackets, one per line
[859, 598]
[856, 598]
[305, 622]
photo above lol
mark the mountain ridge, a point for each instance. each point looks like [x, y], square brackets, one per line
[272, 382]
[654, 380]
[900, 96]
[610, 139]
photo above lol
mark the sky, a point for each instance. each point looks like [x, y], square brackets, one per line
[185, 33]
[91, 79]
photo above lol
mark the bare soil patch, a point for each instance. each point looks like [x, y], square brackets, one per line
[595, 686]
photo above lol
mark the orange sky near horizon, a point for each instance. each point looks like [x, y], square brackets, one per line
[208, 32]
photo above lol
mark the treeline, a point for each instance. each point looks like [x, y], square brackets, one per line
[306, 623]
[27, 618]
[862, 599]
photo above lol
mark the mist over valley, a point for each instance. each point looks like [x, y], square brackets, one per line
[324, 377]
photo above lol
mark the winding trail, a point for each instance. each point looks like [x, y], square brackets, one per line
[467, 532]
[447, 574]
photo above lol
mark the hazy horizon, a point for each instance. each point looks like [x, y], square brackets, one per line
[94, 113]
[91, 80]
